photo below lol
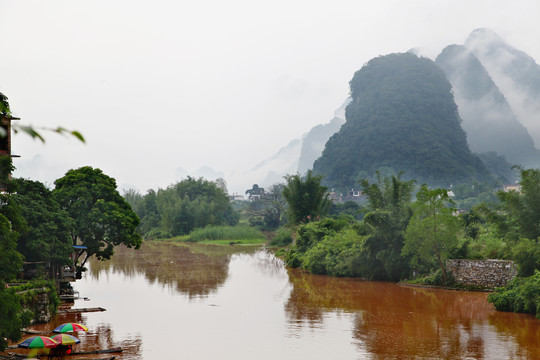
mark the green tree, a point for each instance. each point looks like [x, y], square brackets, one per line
[146, 209]
[47, 237]
[520, 295]
[11, 261]
[11, 222]
[520, 211]
[432, 231]
[306, 198]
[388, 213]
[274, 210]
[10, 258]
[10, 321]
[103, 218]
[182, 207]
[308, 235]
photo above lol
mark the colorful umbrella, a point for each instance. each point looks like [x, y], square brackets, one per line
[67, 327]
[38, 342]
[65, 339]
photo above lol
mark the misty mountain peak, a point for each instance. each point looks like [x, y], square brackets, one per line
[516, 74]
[484, 36]
[487, 118]
[402, 118]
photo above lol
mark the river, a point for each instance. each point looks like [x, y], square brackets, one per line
[205, 302]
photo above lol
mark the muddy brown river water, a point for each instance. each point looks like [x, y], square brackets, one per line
[179, 301]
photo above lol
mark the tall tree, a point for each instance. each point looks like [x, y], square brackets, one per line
[387, 217]
[521, 209]
[10, 259]
[103, 218]
[47, 237]
[11, 223]
[10, 320]
[307, 198]
[189, 204]
[432, 231]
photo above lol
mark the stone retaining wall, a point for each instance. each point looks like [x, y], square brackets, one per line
[486, 274]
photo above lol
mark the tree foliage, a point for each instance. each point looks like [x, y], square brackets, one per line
[48, 233]
[432, 230]
[10, 258]
[521, 295]
[102, 217]
[10, 320]
[11, 223]
[308, 235]
[520, 211]
[306, 198]
[180, 208]
[387, 216]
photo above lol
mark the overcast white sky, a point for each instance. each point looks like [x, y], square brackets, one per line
[159, 85]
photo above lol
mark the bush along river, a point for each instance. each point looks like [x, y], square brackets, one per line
[194, 301]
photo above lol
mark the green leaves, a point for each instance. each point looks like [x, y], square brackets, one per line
[47, 237]
[10, 259]
[521, 295]
[182, 207]
[34, 132]
[432, 231]
[306, 198]
[103, 219]
[4, 105]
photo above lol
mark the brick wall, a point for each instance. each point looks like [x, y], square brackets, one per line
[487, 274]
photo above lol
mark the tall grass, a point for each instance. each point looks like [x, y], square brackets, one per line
[213, 233]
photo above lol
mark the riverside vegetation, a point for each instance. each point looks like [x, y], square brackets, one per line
[42, 225]
[399, 238]
[393, 237]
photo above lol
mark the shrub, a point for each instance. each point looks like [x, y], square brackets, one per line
[522, 295]
[336, 255]
[527, 255]
[436, 279]
[487, 245]
[282, 238]
[308, 235]
[225, 233]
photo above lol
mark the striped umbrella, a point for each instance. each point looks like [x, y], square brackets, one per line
[68, 327]
[38, 342]
[65, 339]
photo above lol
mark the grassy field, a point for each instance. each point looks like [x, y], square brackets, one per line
[235, 242]
[227, 235]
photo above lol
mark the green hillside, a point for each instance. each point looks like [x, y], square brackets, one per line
[402, 118]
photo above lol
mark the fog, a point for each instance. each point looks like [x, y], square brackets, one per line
[165, 89]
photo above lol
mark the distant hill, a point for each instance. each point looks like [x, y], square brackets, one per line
[402, 117]
[299, 154]
[314, 141]
[488, 119]
[272, 169]
[497, 90]
[516, 74]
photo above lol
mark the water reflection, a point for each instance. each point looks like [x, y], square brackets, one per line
[99, 337]
[192, 269]
[208, 302]
[394, 322]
